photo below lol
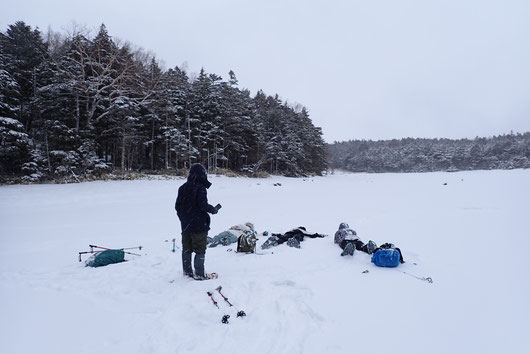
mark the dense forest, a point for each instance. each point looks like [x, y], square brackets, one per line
[425, 155]
[73, 106]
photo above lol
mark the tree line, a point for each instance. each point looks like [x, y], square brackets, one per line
[73, 106]
[507, 151]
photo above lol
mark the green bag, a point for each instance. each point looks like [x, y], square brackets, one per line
[105, 258]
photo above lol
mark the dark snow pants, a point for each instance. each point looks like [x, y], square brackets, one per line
[193, 243]
[359, 245]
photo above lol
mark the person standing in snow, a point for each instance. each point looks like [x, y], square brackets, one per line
[349, 241]
[192, 209]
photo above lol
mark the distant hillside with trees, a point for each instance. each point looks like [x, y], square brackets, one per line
[426, 155]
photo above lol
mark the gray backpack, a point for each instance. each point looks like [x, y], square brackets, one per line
[246, 243]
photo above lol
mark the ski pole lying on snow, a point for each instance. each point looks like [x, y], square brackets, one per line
[427, 279]
[80, 253]
[121, 249]
[224, 297]
[239, 313]
[225, 317]
[210, 294]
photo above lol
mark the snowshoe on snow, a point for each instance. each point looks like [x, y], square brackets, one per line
[207, 276]
[271, 242]
[370, 247]
[348, 250]
[293, 242]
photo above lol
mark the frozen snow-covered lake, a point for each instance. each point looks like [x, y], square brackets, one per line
[469, 231]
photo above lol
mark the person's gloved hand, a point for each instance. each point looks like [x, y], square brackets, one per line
[217, 207]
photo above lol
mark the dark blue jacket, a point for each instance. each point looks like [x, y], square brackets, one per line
[192, 203]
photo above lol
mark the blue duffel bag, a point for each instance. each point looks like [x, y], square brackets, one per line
[386, 257]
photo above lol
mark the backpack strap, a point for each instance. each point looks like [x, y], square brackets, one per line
[400, 256]
[238, 243]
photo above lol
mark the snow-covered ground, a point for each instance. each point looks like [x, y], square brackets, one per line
[468, 231]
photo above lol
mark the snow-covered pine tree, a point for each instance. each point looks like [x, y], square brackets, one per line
[9, 92]
[169, 101]
[239, 136]
[107, 67]
[204, 117]
[313, 145]
[14, 146]
[25, 50]
[269, 113]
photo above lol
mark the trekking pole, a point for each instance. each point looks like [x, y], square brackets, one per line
[224, 297]
[120, 249]
[239, 313]
[127, 248]
[210, 294]
[134, 254]
[80, 253]
[225, 317]
[427, 279]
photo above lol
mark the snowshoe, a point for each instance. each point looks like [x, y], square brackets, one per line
[207, 276]
[348, 250]
[370, 247]
[271, 242]
[293, 242]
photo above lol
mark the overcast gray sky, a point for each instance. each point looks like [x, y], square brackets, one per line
[365, 69]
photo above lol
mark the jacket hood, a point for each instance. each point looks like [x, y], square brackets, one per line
[343, 226]
[198, 175]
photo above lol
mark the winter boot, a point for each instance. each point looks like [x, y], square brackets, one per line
[198, 263]
[293, 242]
[348, 250]
[186, 264]
[370, 247]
